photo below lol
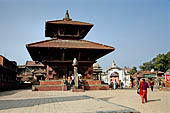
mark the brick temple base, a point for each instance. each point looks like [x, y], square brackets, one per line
[77, 90]
[95, 85]
[50, 85]
[58, 85]
[167, 84]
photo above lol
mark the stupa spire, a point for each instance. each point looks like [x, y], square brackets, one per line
[67, 17]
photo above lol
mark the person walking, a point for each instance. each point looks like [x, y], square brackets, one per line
[152, 84]
[114, 84]
[143, 90]
[69, 82]
[122, 85]
[72, 80]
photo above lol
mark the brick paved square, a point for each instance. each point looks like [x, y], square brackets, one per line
[102, 101]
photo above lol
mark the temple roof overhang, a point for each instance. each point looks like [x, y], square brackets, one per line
[55, 49]
[68, 43]
[62, 22]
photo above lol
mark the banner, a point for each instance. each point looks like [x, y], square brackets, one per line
[167, 77]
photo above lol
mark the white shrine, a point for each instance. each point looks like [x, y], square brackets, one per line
[115, 73]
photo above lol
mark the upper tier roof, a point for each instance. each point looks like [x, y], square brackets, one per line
[70, 22]
[67, 29]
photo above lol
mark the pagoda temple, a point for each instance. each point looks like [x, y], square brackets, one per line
[67, 44]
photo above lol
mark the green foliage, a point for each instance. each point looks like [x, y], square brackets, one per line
[133, 71]
[147, 66]
[160, 63]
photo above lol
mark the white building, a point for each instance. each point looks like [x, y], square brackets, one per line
[115, 73]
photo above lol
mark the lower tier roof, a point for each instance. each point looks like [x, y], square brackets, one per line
[68, 43]
[59, 49]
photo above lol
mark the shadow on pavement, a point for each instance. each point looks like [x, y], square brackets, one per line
[11, 92]
[154, 100]
[8, 104]
[5, 93]
[105, 99]
[126, 109]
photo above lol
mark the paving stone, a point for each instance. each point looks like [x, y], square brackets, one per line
[110, 101]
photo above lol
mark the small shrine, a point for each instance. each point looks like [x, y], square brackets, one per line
[66, 54]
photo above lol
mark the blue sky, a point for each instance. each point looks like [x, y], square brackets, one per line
[138, 29]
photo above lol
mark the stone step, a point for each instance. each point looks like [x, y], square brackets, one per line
[52, 82]
[92, 82]
[77, 90]
[49, 88]
[96, 87]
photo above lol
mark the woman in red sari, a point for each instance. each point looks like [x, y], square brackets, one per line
[141, 87]
[143, 90]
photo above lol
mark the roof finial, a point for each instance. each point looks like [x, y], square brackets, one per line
[67, 18]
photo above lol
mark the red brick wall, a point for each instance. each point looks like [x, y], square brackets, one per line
[51, 88]
[92, 82]
[53, 82]
[167, 84]
[95, 85]
[102, 87]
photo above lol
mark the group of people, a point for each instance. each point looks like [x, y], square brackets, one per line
[142, 89]
[70, 80]
[115, 85]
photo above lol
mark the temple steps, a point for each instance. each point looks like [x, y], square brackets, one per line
[50, 85]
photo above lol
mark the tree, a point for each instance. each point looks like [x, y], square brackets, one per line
[133, 71]
[147, 66]
[161, 63]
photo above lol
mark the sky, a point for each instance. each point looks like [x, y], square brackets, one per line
[138, 29]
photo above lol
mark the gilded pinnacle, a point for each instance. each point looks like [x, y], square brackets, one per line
[67, 17]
